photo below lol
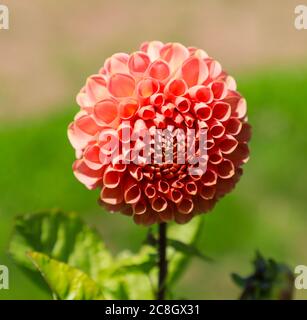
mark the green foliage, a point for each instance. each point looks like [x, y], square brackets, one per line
[66, 282]
[270, 280]
[182, 240]
[63, 237]
[75, 263]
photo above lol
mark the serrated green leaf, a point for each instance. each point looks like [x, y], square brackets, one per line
[66, 282]
[63, 237]
[187, 234]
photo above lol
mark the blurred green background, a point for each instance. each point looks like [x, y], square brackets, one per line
[43, 67]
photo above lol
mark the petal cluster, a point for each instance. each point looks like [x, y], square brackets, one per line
[160, 86]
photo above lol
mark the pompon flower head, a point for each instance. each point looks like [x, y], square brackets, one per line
[160, 87]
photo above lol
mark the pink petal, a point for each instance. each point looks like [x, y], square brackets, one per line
[168, 110]
[153, 49]
[111, 178]
[182, 104]
[194, 71]
[201, 94]
[174, 54]
[138, 63]
[217, 130]
[117, 63]
[175, 87]
[219, 89]
[91, 157]
[157, 99]
[86, 175]
[121, 85]
[147, 112]
[203, 112]
[147, 87]
[87, 125]
[127, 108]
[95, 88]
[106, 112]
[221, 111]
[159, 70]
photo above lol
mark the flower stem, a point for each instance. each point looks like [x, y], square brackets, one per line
[162, 243]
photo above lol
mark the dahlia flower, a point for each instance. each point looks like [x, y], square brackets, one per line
[161, 86]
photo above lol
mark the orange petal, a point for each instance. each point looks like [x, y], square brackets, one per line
[121, 85]
[194, 71]
[111, 178]
[174, 54]
[147, 87]
[138, 63]
[106, 111]
[157, 99]
[127, 108]
[175, 87]
[159, 70]
[117, 63]
[182, 104]
[201, 94]
[203, 112]
[219, 89]
[147, 112]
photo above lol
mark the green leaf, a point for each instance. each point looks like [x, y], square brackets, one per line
[135, 272]
[65, 282]
[188, 249]
[63, 237]
[187, 235]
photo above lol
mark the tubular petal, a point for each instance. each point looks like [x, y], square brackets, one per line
[175, 87]
[112, 196]
[138, 63]
[121, 85]
[159, 70]
[185, 206]
[158, 204]
[194, 71]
